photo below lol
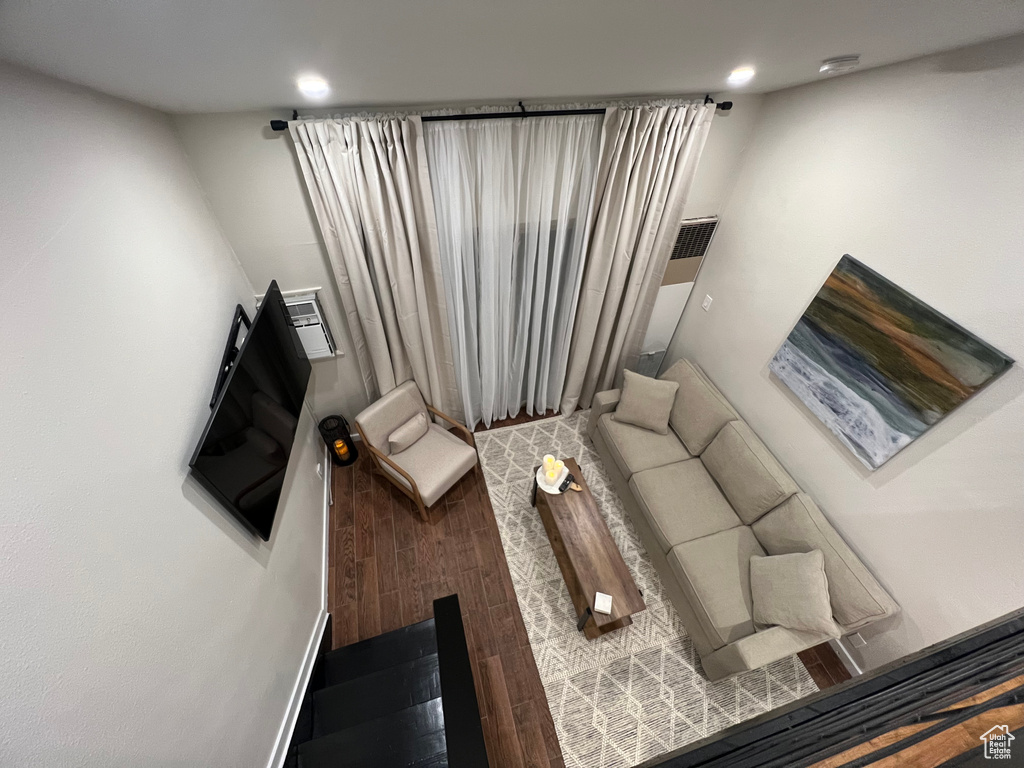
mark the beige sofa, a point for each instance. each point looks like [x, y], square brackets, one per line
[707, 496]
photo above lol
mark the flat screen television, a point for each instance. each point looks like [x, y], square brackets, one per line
[243, 454]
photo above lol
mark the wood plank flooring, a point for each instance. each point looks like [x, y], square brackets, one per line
[824, 666]
[386, 568]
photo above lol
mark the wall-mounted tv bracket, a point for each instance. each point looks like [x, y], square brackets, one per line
[230, 351]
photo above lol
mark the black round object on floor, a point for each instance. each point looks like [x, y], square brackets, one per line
[335, 432]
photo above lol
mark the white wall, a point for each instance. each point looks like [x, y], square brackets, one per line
[141, 624]
[731, 133]
[251, 178]
[918, 171]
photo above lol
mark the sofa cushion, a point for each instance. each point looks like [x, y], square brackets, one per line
[750, 477]
[699, 410]
[681, 502]
[635, 449]
[714, 574]
[797, 525]
[646, 402]
[792, 591]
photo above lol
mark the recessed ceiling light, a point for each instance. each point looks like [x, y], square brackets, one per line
[741, 75]
[313, 87]
[839, 64]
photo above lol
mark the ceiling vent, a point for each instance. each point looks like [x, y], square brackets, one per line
[694, 238]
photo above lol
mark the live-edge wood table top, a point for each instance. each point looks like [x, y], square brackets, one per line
[587, 555]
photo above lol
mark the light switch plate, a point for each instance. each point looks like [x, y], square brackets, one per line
[603, 603]
[706, 304]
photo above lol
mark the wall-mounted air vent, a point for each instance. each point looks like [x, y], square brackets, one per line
[694, 238]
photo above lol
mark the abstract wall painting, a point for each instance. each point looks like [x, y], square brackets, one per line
[878, 366]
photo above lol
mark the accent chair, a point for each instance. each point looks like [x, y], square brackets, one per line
[420, 457]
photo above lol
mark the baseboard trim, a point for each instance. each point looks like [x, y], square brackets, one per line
[284, 734]
[291, 715]
[328, 465]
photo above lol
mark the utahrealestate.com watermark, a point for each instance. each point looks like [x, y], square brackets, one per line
[997, 743]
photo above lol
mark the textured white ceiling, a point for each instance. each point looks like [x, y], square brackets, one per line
[222, 55]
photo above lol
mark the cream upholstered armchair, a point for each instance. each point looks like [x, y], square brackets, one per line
[414, 453]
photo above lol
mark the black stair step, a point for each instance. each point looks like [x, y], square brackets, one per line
[437, 761]
[411, 737]
[376, 653]
[375, 695]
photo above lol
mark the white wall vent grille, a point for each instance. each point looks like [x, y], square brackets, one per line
[694, 238]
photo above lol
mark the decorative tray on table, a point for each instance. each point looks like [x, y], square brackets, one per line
[542, 482]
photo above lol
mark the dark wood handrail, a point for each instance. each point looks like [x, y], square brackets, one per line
[910, 690]
[463, 730]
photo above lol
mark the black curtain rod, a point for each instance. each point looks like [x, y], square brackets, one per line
[282, 125]
[505, 115]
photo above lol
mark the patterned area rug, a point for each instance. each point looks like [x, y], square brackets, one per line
[635, 693]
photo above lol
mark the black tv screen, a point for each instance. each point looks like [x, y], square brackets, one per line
[243, 454]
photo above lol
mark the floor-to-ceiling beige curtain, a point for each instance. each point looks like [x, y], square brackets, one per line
[648, 160]
[370, 189]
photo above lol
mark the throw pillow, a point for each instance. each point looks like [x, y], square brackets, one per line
[700, 410]
[792, 591]
[797, 525]
[408, 433]
[646, 402]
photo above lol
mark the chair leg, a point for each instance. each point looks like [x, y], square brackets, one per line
[423, 510]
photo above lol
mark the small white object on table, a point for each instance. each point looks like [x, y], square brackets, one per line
[551, 487]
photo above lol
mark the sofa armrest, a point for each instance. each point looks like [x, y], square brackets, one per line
[603, 402]
[758, 649]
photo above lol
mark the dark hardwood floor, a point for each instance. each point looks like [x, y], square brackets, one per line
[387, 567]
[520, 418]
[824, 666]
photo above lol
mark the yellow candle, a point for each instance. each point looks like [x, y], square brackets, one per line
[549, 463]
[551, 477]
[559, 468]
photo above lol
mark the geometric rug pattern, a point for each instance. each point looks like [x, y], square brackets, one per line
[637, 692]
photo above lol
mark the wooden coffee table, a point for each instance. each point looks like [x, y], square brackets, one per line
[587, 555]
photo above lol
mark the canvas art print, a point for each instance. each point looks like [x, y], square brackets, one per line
[878, 366]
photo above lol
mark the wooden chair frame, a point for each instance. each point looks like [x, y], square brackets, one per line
[413, 492]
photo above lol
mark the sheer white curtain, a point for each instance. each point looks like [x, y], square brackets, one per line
[513, 204]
